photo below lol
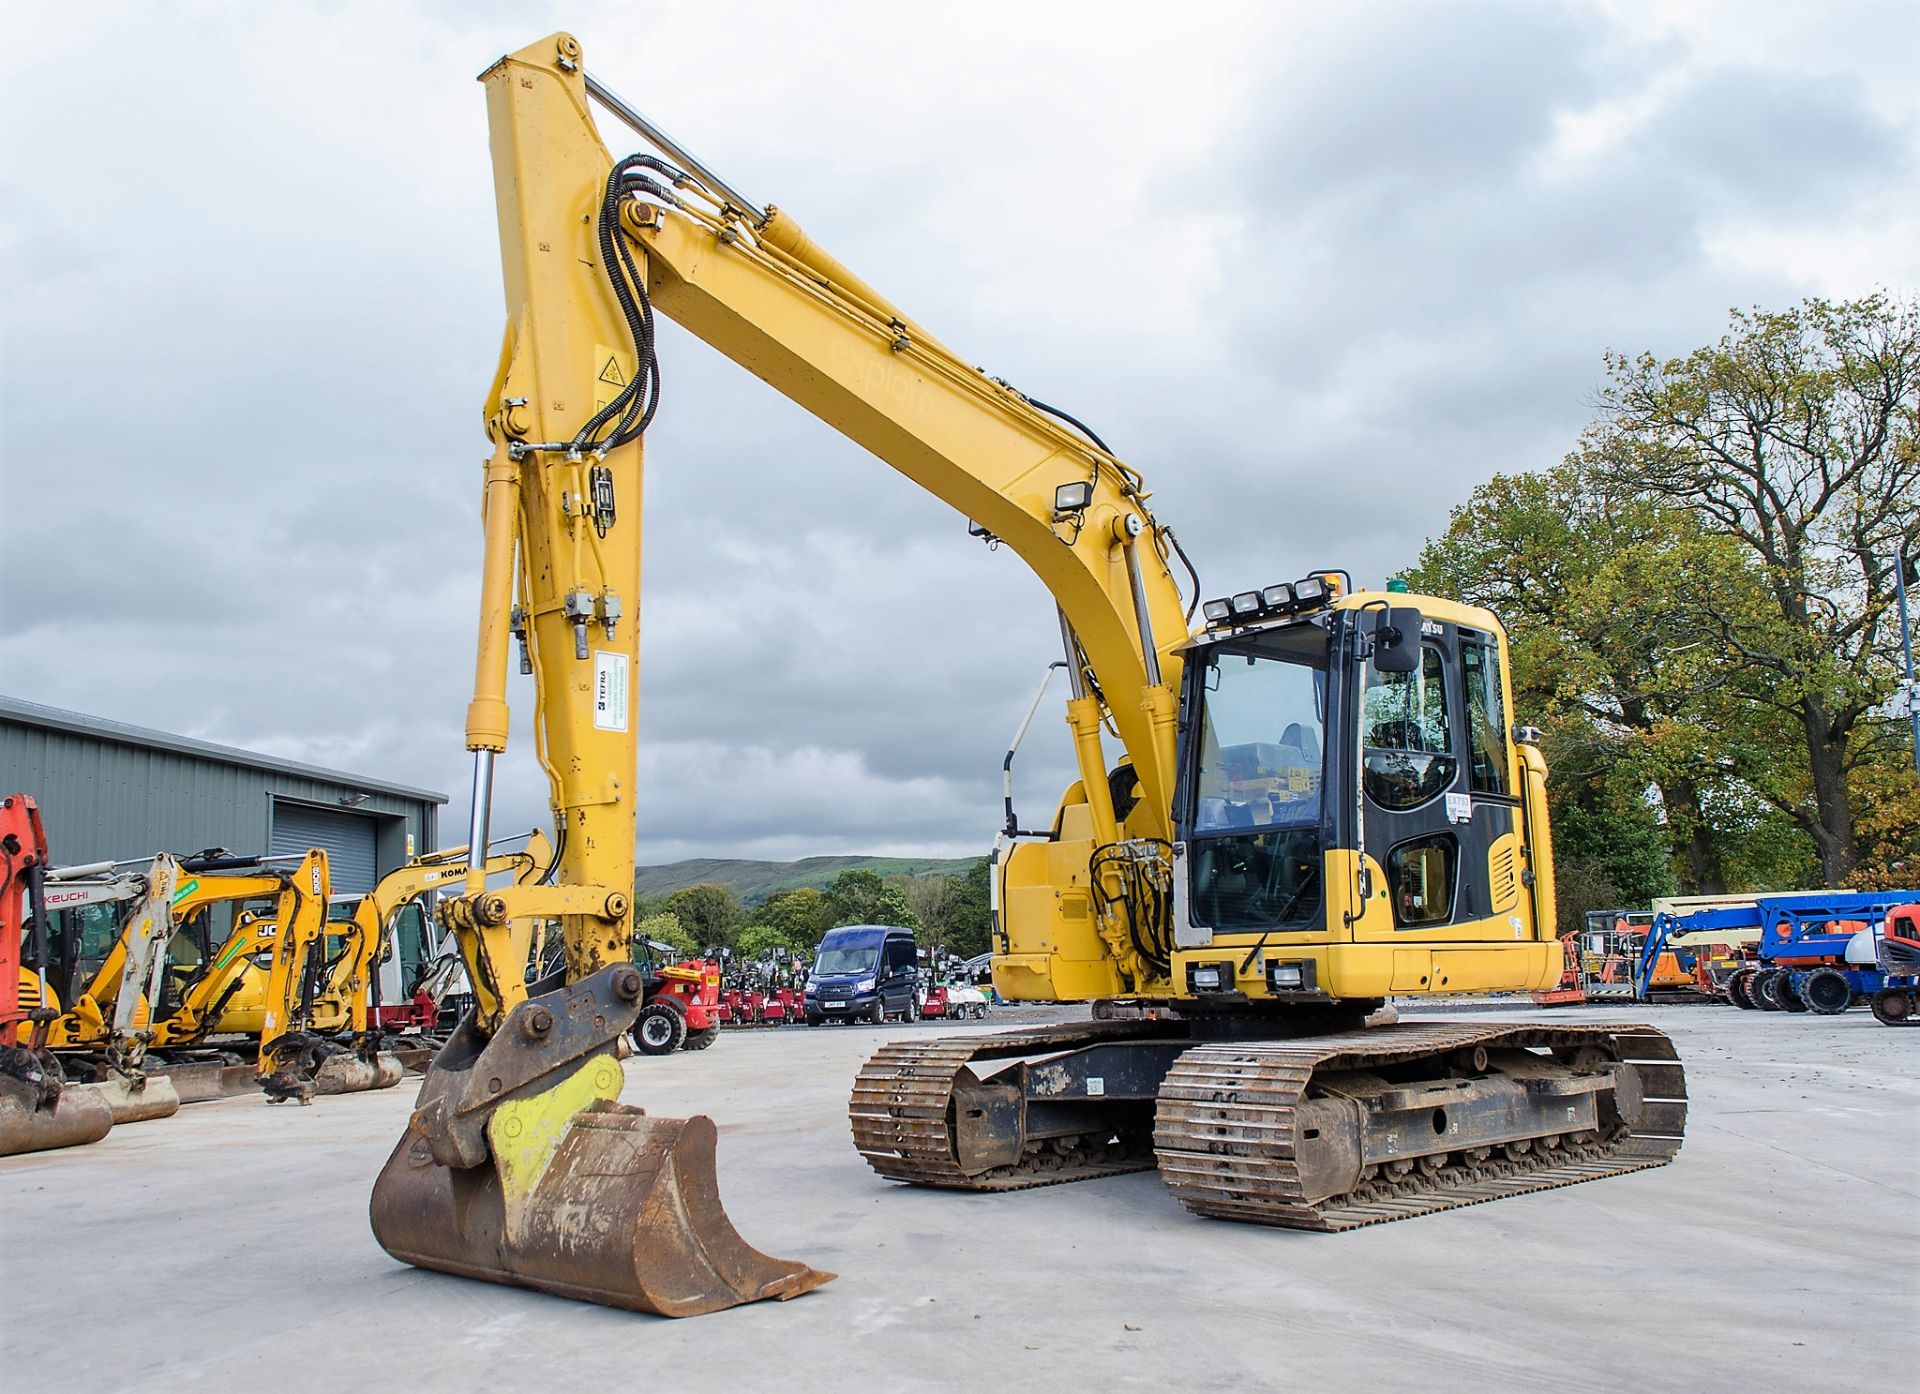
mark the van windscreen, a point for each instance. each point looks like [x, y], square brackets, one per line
[855, 958]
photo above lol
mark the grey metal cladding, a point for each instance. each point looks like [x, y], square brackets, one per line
[109, 790]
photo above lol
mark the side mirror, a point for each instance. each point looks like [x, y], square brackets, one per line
[1396, 639]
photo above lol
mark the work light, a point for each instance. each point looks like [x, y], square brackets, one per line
[1072, 498]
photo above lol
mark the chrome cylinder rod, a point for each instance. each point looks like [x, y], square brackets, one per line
[673, 149]
[481, 814]
[1142, 617]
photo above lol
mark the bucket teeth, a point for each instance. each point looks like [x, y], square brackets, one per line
[626, 1213]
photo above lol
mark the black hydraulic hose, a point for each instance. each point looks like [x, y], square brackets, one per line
[634, 405]
[1082, 427]
[1192, 575]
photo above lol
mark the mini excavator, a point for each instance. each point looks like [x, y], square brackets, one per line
[1321, 800]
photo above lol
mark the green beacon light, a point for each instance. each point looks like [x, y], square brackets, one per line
[1396, 585]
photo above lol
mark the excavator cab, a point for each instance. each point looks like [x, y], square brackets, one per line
[1353, 810]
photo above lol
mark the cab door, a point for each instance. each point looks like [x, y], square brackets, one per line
[1439, 812]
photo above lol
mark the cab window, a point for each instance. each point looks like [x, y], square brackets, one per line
[1486, 720]
[1408, 735]
[1420, 880]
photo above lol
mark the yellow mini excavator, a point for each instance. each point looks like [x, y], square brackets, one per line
[115, 922]
[1321, 800]
[323, 1004]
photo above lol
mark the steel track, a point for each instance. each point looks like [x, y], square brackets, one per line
[1223, 1137]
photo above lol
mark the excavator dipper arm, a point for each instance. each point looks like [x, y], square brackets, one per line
[518, 1165]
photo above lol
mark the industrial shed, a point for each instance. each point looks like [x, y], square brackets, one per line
[107, 790]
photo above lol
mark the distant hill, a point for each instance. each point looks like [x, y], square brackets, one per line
[755, 881]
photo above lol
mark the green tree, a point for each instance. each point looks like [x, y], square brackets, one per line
[755, 939]
[666, 928]
[931, 899]
[862, 897]
[798, 914]
[1585, 585]
[1796, 441]
[709, 913]
[970, 918]
[1700, 603]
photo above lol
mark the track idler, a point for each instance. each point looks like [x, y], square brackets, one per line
[518, 1167]
[38, 1113]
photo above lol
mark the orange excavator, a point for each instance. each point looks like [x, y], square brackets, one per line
[38, 1110]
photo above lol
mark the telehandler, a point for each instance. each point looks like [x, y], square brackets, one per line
[1322, 801]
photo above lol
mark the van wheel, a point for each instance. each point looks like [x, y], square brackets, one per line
[661, 1029]
[878, 1014]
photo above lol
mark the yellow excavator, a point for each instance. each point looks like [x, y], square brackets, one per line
[350, 998]
[121, 918]
[1320, 800]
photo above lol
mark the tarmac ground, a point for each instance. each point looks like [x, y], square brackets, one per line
[228, 1248]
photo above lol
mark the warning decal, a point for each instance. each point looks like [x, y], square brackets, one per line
[609, 690]
[611, 376]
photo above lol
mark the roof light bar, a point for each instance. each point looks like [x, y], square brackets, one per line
[1308, 593]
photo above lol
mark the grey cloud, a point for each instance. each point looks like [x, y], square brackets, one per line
[1346, 279]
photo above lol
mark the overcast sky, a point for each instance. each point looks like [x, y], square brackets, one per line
[1316, 269]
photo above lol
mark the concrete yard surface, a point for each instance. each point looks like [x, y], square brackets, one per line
[227, 1248]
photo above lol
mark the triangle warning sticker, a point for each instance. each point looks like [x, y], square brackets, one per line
[612, 374]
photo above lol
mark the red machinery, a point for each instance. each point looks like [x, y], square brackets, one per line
[36, 1113]
[936, 1003]
[682, 1008]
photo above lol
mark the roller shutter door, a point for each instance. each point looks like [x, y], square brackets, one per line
[347, 839]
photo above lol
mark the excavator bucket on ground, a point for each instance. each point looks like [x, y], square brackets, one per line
[348, 1073]
[307, 1065]
[519, 1167]
[29, 1122]
[628, 1214]
[134, 1100]
[201, 1081]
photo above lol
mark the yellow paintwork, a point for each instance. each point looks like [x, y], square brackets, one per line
[232, 995]
[365, 931]
[524, 1133]
[99, 1016]
[768, 297]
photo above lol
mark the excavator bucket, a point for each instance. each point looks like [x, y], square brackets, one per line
[134, 1101]
[203, 1081]
[627, 1214]
[347, 1073]
[27, 1124]
[518, 1167]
